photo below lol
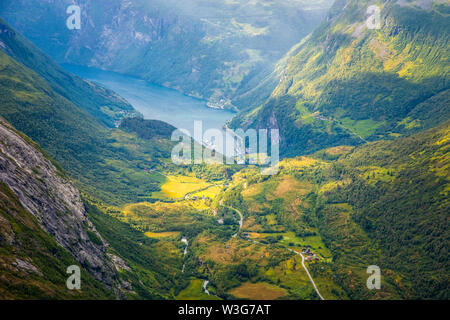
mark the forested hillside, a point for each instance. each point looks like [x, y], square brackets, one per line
[73, 130]
[348, 84]
[215, 49]
[108, 165]
[103, 104]
[384, 204]
[147, 129]
[364, 180]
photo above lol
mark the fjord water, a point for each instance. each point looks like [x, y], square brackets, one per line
[156, 102]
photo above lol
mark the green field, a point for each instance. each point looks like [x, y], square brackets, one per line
[177, 187]
[195, 292]
[314, 242]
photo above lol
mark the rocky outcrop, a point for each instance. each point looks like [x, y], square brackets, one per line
[51, 197]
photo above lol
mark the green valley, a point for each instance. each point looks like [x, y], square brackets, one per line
[362, 180]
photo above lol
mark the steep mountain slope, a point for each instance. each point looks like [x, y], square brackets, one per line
[214, 49]
[44, 228]
[70, 132]
[398, 193]
[348, 84]
[108, 167]
[103, 104]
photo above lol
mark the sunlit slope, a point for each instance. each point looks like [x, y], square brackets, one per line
[398, 194]
[383, 203]
[346, 84]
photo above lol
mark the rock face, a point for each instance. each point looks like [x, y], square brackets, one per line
[55, 202]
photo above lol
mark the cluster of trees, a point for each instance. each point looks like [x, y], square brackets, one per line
[147, 129]
[403, 221]
[152, 275]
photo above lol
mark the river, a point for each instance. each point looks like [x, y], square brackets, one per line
[157, 102]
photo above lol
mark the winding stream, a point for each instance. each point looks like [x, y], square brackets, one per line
[205, 285]
[186, 242]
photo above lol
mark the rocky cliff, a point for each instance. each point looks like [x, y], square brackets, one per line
[46, 192]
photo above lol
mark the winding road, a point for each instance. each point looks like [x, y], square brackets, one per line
[241, 222]
[307, 272]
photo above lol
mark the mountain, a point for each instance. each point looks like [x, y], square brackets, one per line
[348, 84]
[45, 228]
[42, 208]
[370, 107]
[101, 103]
[398, 195]
[384, 203]
[216, 49]
[71, 129]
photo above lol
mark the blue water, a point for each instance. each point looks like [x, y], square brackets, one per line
[156, 102]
